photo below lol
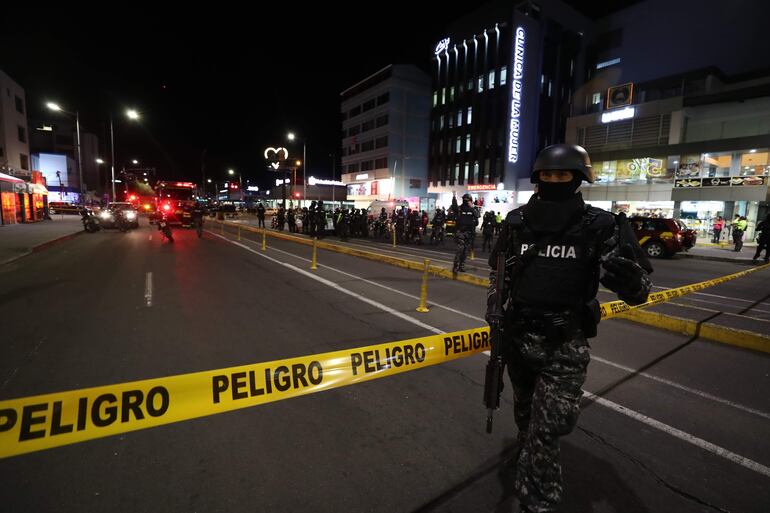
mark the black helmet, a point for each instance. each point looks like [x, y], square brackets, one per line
[467, 197]
[569, 157]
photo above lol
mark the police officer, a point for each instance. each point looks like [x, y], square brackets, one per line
[437, 226]
[320, 220]
[467, 220]
[555, 247]
[343, 222]
[261, 215]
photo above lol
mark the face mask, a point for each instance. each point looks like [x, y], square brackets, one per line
[557, 191]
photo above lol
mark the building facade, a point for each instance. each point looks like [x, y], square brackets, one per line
[385, 137]
[14, 134]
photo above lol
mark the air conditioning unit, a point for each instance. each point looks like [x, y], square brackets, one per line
[620, 95]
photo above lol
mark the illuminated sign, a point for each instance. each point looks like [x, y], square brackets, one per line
[364, 176]
[223, 190]
[442, 46]
[617, 115]
[316, 181]
[277, 152]
[281, 182]
[252, 188]
[516, 100]
[483, 187]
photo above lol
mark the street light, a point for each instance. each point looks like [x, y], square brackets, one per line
[291, 136]
[134, 161]
[55, 107]
[132, 114]
[99, 161]
[231, 172]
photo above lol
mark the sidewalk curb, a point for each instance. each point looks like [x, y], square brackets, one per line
[42, 247]
[741, 261]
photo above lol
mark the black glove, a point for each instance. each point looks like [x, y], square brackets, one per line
[627, 279]
[494, 315]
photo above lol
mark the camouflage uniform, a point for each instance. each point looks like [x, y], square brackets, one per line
[464, 245]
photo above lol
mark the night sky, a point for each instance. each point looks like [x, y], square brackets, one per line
[230, 83]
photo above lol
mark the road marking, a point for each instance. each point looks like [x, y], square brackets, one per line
[686, 437]
[682, 387]
[148, 289]
[333, 285]
[430, 303]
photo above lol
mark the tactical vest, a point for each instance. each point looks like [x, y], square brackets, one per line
[466, 219]
[565, 272]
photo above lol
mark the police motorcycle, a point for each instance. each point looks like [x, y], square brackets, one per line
[165, 228]
[437, 234]
[90, 221]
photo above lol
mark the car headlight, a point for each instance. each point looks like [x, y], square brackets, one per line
[105, 215]
[130, 216]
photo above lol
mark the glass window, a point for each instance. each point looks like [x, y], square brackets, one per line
[367, 165]
[355, 111]
[717, 165]
[491, 79]
[383, 99]
[354, 130]
[480, 84]
[459, 118]
[367, 146]
[443, 96]
[689, 166]
[458, 144]
[19, 105]
[469, 116]
[22, 134]
[596, 98]
[451, 120]
[441, 123]
[381, 163]
[755, 163]
[503, 75]
[353, 168]
[456, 174]
[451, 94]
[476, 172]
[465, 176]
[382, 142]
[470, 85]
[369, 105]
[435, 98]
[368, 125]
[382, 120]
[468, 142]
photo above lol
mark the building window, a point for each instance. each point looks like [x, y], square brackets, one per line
[480, 84]
[435, 98]
[443, 96]
[451, 120]
[469, 116]
[465, 176]
[381, 163]
[503, 75]
[468, 142]
[368, 105]
[368, 125]
[441, 146]
[596, 98]
[344, 133]
[22, 134]
[2, 152]
[451, 94]
[550, 88]
[476, 172]
[367, 165]
[344, 116]
[456, 174]
[19, 105]
[441, 122]
[353, 149]
[458, 144]
[344, 152]
[486, 170]
[24, 161]
[470, 85]
[491, 79]
[382, 142]
[353, 168]
[367, 146]
[459, 118]
[382, 121]
[383, 99]
[355, 111]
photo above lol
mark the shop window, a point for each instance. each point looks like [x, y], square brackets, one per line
[689, 166]
[754, 163]
[716, 166]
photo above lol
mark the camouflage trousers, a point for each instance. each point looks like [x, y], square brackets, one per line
[547, 382]
[464, 245]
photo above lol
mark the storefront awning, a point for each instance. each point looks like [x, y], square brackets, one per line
[8, 178]
[36, 188]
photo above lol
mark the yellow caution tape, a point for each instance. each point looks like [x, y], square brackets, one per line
[45, 421]
[614, 308]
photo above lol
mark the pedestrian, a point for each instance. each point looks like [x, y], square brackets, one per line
[465, 231]
[280, 218]
[498, 223]
[261, 215]
[549, 293]
[763, 241]
[488, 230]
[739, 228]
[717, 226]
[292, 221]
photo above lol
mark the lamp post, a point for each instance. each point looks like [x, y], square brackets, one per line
[291, 136]
[231, 172]
[55, 107]
[130, 114]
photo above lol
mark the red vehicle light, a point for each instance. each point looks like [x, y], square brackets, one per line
[131, 198]
[166, 207]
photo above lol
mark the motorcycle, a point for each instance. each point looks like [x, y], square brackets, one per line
[165, 228]
[437, 235]
[90, 221]
[121, 222]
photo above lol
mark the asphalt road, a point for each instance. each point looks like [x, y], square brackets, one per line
[681, 424]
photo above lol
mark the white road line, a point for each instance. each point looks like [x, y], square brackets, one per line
[333, 285]
[364, 280]
[148, 289]
[686, 437]
[705, 395]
